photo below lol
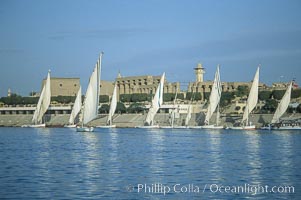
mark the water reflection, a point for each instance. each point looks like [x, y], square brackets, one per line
[157, 163]
[253, 155]
[215, 155]
[91, 161]
[285, 155]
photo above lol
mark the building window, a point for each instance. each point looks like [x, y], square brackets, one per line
[75, 85]
[61, 85]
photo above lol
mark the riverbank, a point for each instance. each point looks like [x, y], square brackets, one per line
[132, 120]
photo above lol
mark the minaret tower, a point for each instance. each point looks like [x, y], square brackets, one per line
[9, 92]
[199, 73]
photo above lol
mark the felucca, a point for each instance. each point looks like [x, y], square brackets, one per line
[251, 104]
[90, 107]
[75, 110]
[214, 101]
[112, 110]
[276, 124]
[38, 118]
[156, 104]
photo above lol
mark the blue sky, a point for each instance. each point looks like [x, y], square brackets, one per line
[142, 37]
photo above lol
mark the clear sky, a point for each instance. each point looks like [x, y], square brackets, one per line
[142, 37]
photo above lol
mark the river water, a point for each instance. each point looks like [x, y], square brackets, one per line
[60, 163]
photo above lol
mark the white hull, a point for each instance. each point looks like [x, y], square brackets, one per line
[196, 127]
[212, 127]
[34, 126]
[70, 126]
[266, 128]
[109, 126]
[174, 127]
[148, 127]
[84, 129]
[252, 127]
[282, 128]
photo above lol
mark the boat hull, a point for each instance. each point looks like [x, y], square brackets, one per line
[70, 126]
[282, 128]
[196, 127]
[34, 126]
[212, 127]
[110, 126]
[251, 127]
[84, 129]
[174, 127]
[148, 127]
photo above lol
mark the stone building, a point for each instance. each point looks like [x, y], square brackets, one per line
[144, 84]
[106, 87]
[70, 87]
[203, 87]
[63, 86]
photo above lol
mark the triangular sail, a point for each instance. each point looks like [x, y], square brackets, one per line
[173, 113]
[43, 103]
[90, 109]
[188, 116]
[283, 105]
[156, 103]
[215, 96]
[76, 107]
[217, 116]
[112, 106]
[252, 98]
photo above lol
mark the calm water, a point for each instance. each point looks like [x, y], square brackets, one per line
[141, 164]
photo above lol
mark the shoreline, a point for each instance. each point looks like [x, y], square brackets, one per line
[133, 120]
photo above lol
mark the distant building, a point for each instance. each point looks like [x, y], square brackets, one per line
[282, 85]
[63, 86]
[70, 87]
[106, 87]
[9, 92]
[203, 87]
[144, 84]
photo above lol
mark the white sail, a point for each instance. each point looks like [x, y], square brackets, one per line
[173, 113]
[188, 116]
[252, 98]
[43, 103]
[90, 109]
[215, 96]
[76, 107]
[217, 116]
[283, 105]
[112, 106]
[156, 103]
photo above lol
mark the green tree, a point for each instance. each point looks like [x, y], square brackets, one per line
[188, 95]
[278, 94]
[125, 98]
[104, 109]
[226, 98]
[168, 97]
[137, 97]
[136, 108]
[264, 95]
[197, 96]
[299, 108]
[194, 96]
[63, 99]
[180, 96]
[270, 106]
[242, 90]
[120, 108]
[206, 95]
[296, 93]
[104, 98]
